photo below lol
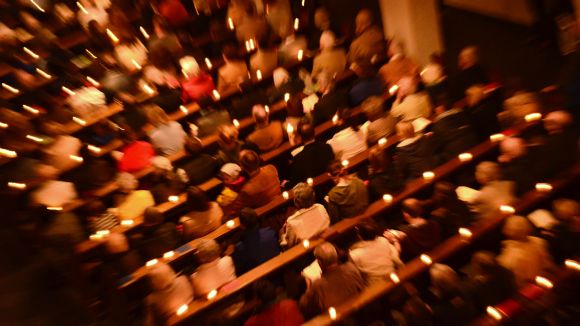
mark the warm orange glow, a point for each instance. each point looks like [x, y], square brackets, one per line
[43, 73]
[395, 278]
[212, 294]
[494, 313]
[31, 53]
[230, 224]
[465, 157]
[426, 259]
[30, 109]
[10, 88]
[544, 282]
[285, 195]
[236, 123]
[306, 244]
[310, 181]
[428, 176]
[79, 121]
[112, 36]
[332, 313]
[168, 254]
[387, 198]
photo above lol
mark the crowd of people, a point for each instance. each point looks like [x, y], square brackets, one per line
[147, 56]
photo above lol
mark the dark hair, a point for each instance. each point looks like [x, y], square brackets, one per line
[336, 169]
[152, 216]
[306, 130]
[230, 51]
[265, 291]
[412, 207]
[444, 191]
[344, 115]
[443, 100]
[379, 159]
[248, 218]
[196, 199]
[249, 160]
[368, 230]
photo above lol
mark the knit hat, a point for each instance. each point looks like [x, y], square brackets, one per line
[162, 163]
[231, 169]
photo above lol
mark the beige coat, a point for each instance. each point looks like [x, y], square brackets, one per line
[332, 60]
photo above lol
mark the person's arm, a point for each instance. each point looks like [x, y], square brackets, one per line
[309, 302]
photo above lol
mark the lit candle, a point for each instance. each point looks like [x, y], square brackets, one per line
[82, 8]
[258, 74]
[43, 73]
[183, 109]
[544, 282]
[287, 97]
[394, 277]
[8, 153]
[34, 138]
[252, 45]
[10, 88]
[208, 63]
[533, 117]
[387, 198]
[332, 313]
[382, 142]
[54, 208]
[494, 313]
[151, 262]
[267, 109]
[465, 232]
[393, 89]
[507, 209]
[17, 185]
[216, 94]
[247, 44]
[93, 81]
[37, 6]
[112, 36]
[344, 163]
[300, 54]
[182, 309]
[306, 243]
[90, 54]
[428, 176]
[31, 53]
[30, 109]
[168, 254]
[543, 187]
[290, 129]
[148, 89]
[497, 137]
[212, 294]
[426, 259]
[303, 3]
[173, 199]
[296, 24]
[230, 224]
[3, 125]
[236, 123]
[94, 149]
[144, 32]
[79, 121]
[230, 23]
[68, 91]
[465, 157]
[95, 237]
[136, 64]
[127, 222]
[103, 232]
[335, 119]
[572, 264]
[285, 195]
[76, 158]
[310, 181]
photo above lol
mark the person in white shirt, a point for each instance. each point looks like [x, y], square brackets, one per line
[350, 141]
[310, 220]
[169, 291]
[214, 271]
[411, 104]
[168, 137]
[374, 256]
[494, 191]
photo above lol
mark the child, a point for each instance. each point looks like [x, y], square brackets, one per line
[231, 175]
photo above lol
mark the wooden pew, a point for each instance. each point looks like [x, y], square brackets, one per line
[442, 252]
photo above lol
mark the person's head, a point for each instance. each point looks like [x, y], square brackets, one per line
[468, 57]
[249, 161]
[486, 172]
[280, 77]
[152, 216]
[405, 130]
[208, 251]
[336, 170]
[368, 230]
[162, 58]
[363, 20]
[249, 218]
[304, 195]
[321, 19]
[482, 263]
[196, 199]
[474, 94]
[522, 104]
[444, 192]
[265, 291]
[116, 243]
[412, 209]
[325, 82]
[160, 276]
[260, 115]
[126, 182]
[162, 165]
[306, 130]
[373, 108]
[557, 121]
[566, 210]
[230, 52]
[326, 255]
[227, 137]
[517, 228]
[156, 116]
[327, 40]
[379, 159]
[363, 68]
[230, 172]
[407, 85]
[511, 148]
[189, 66]
[444, 280]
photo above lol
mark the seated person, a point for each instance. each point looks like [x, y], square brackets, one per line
[268, 134]
[233, 73]
[198, 84]
[383, 177]
[564, 238]
[169, 292]
[516, 165]
[233, 180]
[166, 180]
[229, 145]
[283, 84]
[410, 103]
[482, 111]
[373, 255]
[156, 236]
[121, 259]
[338, 283]
[135, 154]
[203, 217]
[367, 83]
[265, 60]
[131, 203]
[199, 167]
[447, 209]
[399, 66]
[329, 59]
[256, 244]
[380, 124]
[349, 196]
[413, 154]
[560, 145]
[331, 99]
[350, 141]
[369, 42]
[214, 271]
[494, 191]
[275, 310]
[308, 221]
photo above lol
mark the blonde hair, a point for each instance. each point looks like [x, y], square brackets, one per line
[405, 130]
[156, 116]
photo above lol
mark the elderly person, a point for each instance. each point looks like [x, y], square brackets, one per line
[169, 292]
[268, 135]
[494, 191]
[197, 83]
[256, 244]
[233, 73]
[373, 255]
[214, 271]
[338, 283]
[331, 99]
[262, 185]
[203, 217]
[308, 221]
[411, 103]
[399, 65]
[523, 254]
[349, 197]
[413, 154]
[330, 59]
[156, 235]
[380, 123]
[370, 42]
[470, 72]
[199, 167]
[168, 137]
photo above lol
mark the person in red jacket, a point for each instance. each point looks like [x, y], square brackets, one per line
[135, 155]
[198, 84]
[274, 310]
[174, 12]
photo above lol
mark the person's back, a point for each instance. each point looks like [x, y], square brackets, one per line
[168, 138]
[368, 44]
[282, 313]
[332, 61]
[312, 161]
[452, 135]
[347, 143]
[214, 271]
[375, 259]
[267, 137]
[305, 224]
[231, 75]
[491, 196]
[328, 105]
[261, 188]
[413, 158]
[381, 127]
[411, 107]
[347, 199]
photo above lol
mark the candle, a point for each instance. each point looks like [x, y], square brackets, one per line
[296, 24]
[395, 278]
[258, 74]
[507, 209]
[286, 97]
[17, 185]
[543, 187]
[285, 195]
[388, 198]
[230, 23]
[465, 232]
[30, 53]
[82, 8]
[3, 125]
[144, 32]
[300, 54]
[393, 89]
[76, 158]
[68, 91]
[335, 119]
[168, 254]
[30, 109]
[344, 163]
[332, 313]
[236, 123]
[8, 153]
[544, 282]
[173, 199]
[212, 294]
[572, 264]
[382, 142]
[93, 82]
[533, 117]
[128, 222]
[151, 262]
[465, 157]
[216, 94]
[94, 149]
[10, 88]
[494, 313]
[34, 138]
[428, 176]
[310, 181]
[426, 259]
[230, 224]
[43, 73]
[136, 64]
[79, 121]
[112, 36]
[182, 309]
[306, 244]
[497, 137]
[208, 63]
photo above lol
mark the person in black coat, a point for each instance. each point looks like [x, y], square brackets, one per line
[559, 150]
[383, 177]
[330, 101]
[516, 165]
[470, 73]
[413, 154]
[482, 111]
[452, 132]
[312, 160]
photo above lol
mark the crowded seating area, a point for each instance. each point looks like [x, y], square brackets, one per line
[278, 162]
